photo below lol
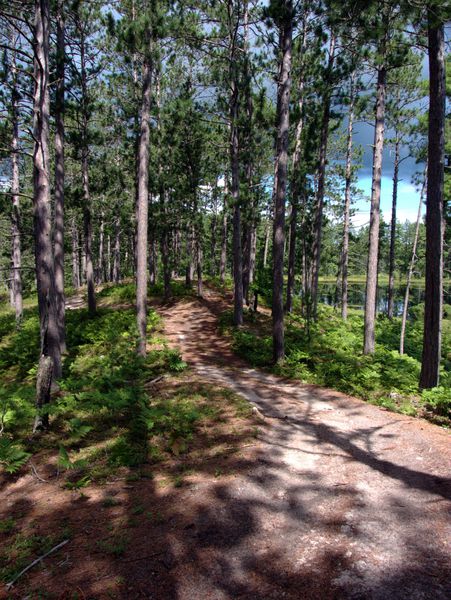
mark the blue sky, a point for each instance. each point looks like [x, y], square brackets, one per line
[408, 193]
[408, 199]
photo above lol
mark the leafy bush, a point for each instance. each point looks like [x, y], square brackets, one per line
[438, 400]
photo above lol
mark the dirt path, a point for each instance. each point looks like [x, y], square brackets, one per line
[344, 500]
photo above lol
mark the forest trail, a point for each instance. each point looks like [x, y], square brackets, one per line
[344, 500]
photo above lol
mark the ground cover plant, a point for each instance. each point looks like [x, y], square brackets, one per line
[329, 353]
[116, 416]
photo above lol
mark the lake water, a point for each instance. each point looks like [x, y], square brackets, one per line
[356, 296]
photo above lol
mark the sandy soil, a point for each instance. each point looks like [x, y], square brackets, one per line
[335, 499]
[345, 501]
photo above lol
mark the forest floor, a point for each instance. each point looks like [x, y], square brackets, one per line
[321, 496]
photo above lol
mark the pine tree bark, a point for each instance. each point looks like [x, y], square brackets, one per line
[435, 225]
[75, 256]
[100, 259]
[200, 282]
[87, 229]
[391, 266]
[143, 208]
[283, 105]
[16, 254]
[295, 194]
[319, 209]
[347, 206]
[58, 238]
[266, 246]
[189, 274]
[235, 193]
[117, 251]
[223, 256]
[87, 220]
[108, 258]
[50, 346]
[373, 249]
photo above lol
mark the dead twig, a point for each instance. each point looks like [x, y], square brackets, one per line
[156, 380]
[35, 562]
[35, 473]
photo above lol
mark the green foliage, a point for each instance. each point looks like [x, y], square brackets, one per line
[103, 393]
[115, 545]
[79, 484]
[7, 525]
[438, 400]
[329, 353]
[12, 455]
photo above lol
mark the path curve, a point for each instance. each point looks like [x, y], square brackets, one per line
[348, 500]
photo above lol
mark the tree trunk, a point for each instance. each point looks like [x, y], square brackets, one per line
[16, 255]
[235, 193]
[43, 387]
[291, 256]
[266, 246]
[152, 259]
[108, 258]
[435, 225]
[165, 258]
[87, 224]
[223, 257]
[283, 105]
[200, 284]
[391, 268]
[319, 209]
[253, 253]
[189, 252]
[373, 248]
[214, 227]
[405, 308]
[58, 236]
[75, 256]
[100, 259]
[50, 346]
[143, 208]
[347, 207]
[295, 176]
[117, 251]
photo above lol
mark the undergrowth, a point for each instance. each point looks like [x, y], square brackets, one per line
[102, 391]
[329, 353]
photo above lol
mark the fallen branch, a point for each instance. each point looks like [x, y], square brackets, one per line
[35, 562]
[35, 473]
[152, 381]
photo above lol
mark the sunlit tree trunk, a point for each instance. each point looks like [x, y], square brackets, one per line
[50, 360]
[391, 267]
[58, 237]
[16, 255]
[223, 255]
[347, 207]
[283, 105]
[373, 249]
[319, 209]
[143, 209]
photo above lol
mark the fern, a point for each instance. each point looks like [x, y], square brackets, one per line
[12, 456]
